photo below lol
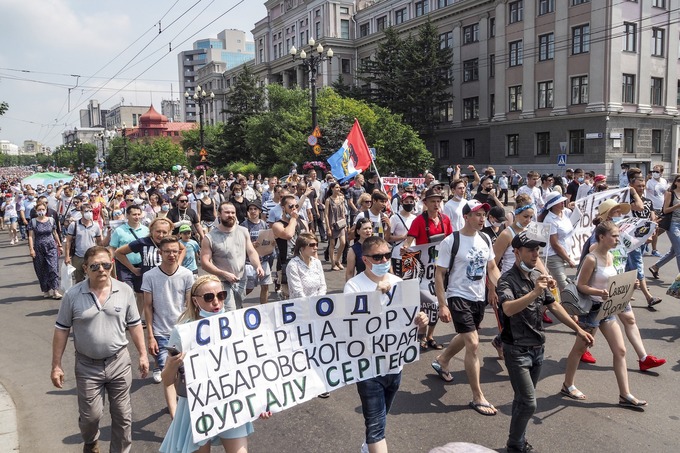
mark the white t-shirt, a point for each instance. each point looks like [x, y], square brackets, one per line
[562, 227]
[169, 296]
[655, 190]
[454, 209]
[503, 182]
[376, 220]
[399, 226]
[468, 276]
[534, 193]
[583, 190]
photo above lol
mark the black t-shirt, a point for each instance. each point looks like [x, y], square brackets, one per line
[151, 255]
[241, 209]
[526, 327]
[177, 214]
[646, 213]
[572, 189]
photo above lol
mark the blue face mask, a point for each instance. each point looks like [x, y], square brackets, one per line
[524, 267]
[206, 314]
[165, 208]
[617, 219]
[581, 179]
[382, 269]
[519, 225]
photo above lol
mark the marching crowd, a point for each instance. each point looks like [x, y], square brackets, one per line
[151, 251]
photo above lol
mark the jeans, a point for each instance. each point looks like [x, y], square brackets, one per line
[634, 262]
[162, 352]
[524, 367]
[377, 395]
[674, 236]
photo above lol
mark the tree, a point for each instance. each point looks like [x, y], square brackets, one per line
[156, 156]
[245, 100]
[76, 155]
[213, 140]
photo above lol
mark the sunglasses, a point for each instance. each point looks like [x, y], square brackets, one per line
[209, 297]
[313, 245]
[291, 206]
[380, 256]
[182, 201]
[94, 267]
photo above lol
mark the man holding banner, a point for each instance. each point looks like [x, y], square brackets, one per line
[377, 394]
[468, 259]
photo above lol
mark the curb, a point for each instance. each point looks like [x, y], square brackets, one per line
[9, 436]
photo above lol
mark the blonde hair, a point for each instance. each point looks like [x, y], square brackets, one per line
[159, 220]
[190, 313]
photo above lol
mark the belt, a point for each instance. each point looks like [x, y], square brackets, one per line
[100, 361]
[538, 346]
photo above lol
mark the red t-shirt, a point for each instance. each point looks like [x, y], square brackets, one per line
[419, 231]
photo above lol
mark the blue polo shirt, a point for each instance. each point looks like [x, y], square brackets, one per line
[123, 235]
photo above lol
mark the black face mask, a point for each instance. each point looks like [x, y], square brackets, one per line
[408, 207]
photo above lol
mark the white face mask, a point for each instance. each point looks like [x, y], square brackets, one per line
[87, 215]
[656, 175]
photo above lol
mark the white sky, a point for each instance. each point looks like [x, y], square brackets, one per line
[56, 38]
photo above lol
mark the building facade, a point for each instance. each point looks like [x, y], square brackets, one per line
[124, 114]
[532, 79]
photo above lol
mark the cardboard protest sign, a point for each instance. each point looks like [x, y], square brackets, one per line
[538, 231]
[634, 231]
[585, 211]
[272, 357]
[419, 263]
[621, 288]
[265, 243]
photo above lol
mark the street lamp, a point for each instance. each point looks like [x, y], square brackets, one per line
[201, 98]
[124, 133]
[312, 61]
[104, 135]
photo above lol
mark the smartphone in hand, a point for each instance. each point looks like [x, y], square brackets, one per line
[172, 351]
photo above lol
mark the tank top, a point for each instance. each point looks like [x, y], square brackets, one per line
[359, 264]
[509, 254]
[207, 211]
[600, 277]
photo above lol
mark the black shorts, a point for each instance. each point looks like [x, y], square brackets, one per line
[467, 315]
[124, 275]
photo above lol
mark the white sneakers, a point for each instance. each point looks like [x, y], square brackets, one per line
[157, 376]
[364, 448]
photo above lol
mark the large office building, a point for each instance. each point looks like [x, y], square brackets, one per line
[596, 81]
[230, 48]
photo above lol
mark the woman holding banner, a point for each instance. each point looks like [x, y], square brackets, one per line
[304, 271]
[592, 280]
[557, 216]
[207, 299]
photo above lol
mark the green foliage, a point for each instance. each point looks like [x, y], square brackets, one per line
[245, 168]
[156, 156]
[213, 140]
[76, 155]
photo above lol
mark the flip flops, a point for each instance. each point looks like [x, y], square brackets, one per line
[572, 392]
[478, 407]
[655, 273]
[443, 375]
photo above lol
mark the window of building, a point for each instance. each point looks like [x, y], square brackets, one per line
[629, 140]
[381, 23]
[344, 28]
[545, 94]
[492, 65]
[515, 98]
[471, 34]
[512, 145]
[471, 70]
[422, 7]
[658, 38]
[628, 93]
[543, 143]
[656, 141]
[471, 108]
[577, 140]
[492, 27]
[302, 37]
[546, 47]
[516, 53]
[580, 39]
[629, 36]
[579, 2]
[261, 56]
[656, 96]
[364, 29]
[317, 30]
[469, 147]
[677, 95]
[344, 10]
[659, 4]
[446, 40]
[579, 90]
[443, 149]
[400, 16]
[545, 7]
[443, 3]
[346, 66]
[317, 13]
[446, 112]
[516, 11]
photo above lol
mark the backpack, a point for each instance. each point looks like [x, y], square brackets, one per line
[454, 251]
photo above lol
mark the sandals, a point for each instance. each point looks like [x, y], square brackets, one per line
[631, 401]
[434, 345]
[423, 345]
[653, 301]
[479, 407]
[443, 375]
[655, 273]
[572, 392]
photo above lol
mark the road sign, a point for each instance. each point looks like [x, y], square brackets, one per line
[317, 149]
[563, 147]
[561, 160]
[312, 140]
[203, 152]
[317, 132]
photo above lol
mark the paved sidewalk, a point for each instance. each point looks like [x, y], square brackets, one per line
[9, 437]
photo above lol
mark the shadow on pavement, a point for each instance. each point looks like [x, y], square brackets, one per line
[52, 312]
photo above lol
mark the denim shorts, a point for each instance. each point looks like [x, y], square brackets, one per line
[634, 262]
[162, 352]
[590, 320]
[377, 395]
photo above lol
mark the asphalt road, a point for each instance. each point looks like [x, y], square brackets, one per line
[427, 413]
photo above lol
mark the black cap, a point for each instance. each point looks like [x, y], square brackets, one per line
[497, 212]
[522, 240]
[255, 203]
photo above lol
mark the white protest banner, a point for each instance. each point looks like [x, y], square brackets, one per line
[634, 231]
[538, 231]
[585, 211]
[420, 263]
[621, 288]
[389, 182]
[272, 357]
